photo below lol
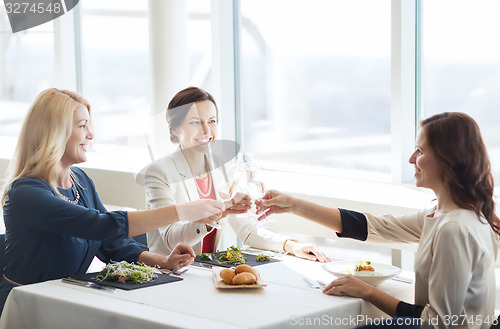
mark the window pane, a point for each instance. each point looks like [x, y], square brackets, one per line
[26, 68]
[115, 72]
[315, 85]
[461, 64]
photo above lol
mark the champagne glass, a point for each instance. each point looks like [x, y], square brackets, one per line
[248, 171]
[226, 192]
[256, 190]
[227, 189]
[253, 185]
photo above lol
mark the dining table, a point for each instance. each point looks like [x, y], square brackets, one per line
[291, 298]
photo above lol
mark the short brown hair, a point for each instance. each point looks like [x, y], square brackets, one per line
[181, 103]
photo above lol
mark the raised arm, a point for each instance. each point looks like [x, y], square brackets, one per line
[275, 202]
[202, 211]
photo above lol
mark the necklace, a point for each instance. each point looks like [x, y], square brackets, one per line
[77, 195]
[209, 190]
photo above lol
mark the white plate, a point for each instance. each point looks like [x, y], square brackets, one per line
[382, 271]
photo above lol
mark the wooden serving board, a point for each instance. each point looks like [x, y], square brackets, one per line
[219, 284]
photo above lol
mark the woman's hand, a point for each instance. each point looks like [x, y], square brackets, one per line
[305, 250]
[241, 203]
[182, 255]
[350, 286]
[274, 202]
[204, 211]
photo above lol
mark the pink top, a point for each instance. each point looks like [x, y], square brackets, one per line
[209, 239]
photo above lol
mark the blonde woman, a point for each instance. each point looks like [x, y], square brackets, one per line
[55, 222]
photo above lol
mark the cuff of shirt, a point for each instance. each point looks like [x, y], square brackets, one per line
[202, 229]
[405, 309]
[354, 225]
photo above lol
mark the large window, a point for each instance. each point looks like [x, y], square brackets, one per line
[26, 68]
[115, 68]
[315, 79]
[316, 85]
[461, 64]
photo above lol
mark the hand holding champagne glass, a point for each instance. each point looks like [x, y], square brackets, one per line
[257, 191]
[253, 184]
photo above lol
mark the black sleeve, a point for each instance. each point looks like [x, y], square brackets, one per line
[411, 310]
[354, 225]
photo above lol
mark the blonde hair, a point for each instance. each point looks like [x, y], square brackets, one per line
[43, 137]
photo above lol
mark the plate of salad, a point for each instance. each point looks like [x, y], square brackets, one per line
[233, 256]
[127, 276]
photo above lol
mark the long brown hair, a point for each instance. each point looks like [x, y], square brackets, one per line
[181, 103]
[457, 143]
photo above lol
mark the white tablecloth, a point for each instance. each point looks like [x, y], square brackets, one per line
[287, 301]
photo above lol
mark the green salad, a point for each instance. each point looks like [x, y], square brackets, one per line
[127, 272]
[206, 256]
[262, 258]
[233, 255]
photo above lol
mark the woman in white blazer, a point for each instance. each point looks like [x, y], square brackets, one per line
[185, 176]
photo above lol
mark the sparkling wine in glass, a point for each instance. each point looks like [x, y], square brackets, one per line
[256, 190]
[223, 191]
[227, 190]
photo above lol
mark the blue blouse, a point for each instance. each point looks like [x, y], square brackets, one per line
[49, 238]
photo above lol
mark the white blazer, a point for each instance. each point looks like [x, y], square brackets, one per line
[169, 181]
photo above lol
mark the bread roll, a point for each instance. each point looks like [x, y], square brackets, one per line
[244, 278]
[246, 268]
[227, 275]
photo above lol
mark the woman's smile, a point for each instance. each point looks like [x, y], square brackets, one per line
[204, 140]
[199, 127]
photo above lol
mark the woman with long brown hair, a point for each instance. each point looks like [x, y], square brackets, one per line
[458, 238]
